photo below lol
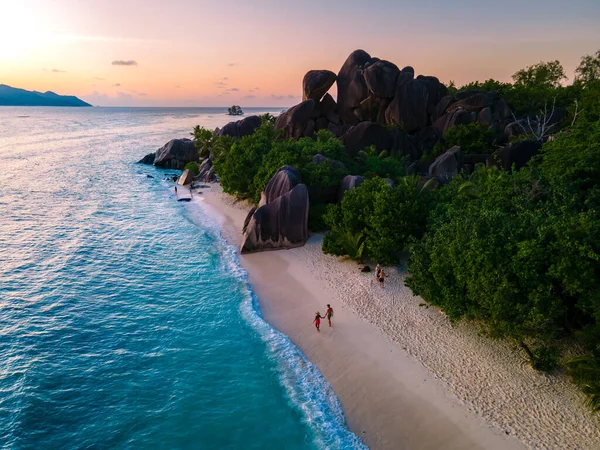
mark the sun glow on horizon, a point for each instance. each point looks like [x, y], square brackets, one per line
[258, 55]
[19, 40]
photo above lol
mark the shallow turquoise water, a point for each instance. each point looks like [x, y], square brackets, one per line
[125, 320]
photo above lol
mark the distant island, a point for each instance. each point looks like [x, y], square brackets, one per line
[10, 96]
[235, 110]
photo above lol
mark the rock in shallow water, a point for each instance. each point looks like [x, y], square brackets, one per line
[176, 153]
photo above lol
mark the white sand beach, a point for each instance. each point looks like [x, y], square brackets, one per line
[406, 377]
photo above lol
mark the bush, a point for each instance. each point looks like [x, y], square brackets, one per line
[322, 180]
[238, 166]
[545, 358]
[316, 221]
[193, 167]
[472, 138]
[521, 251]
[203, 139]
[385, 217]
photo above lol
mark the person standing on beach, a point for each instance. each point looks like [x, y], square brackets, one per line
[317, 320]
[381, 278]
[175, 190]
[377, 272]
[329, 313]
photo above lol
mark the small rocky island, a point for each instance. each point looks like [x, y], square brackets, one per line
[235, 110]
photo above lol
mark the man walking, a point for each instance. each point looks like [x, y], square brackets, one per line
[329, 313]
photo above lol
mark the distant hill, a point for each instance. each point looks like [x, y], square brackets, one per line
[10, 96]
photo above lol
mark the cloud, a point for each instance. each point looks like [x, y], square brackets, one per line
[249, 97]
[120, 62]
[224, 78]
[116, 84]
[257, 89]
[177, 87]
[232, 64]
[98, 78]
[58, 71]
[142, 94]
[283, 97]
[233, 89]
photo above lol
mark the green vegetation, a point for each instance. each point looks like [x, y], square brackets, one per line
[235, 110]
[516, 251]
[245, 166]
[193, 167]
[382, 218]
[472, 139]
[203, 139]
[520, 251]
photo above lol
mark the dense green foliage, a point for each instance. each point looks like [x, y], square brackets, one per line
[249, 163]
[519, 252]
[546, 74]
[235, 110]
[380, 217]
[370, 163]
[193, 167]
[203, 140]
[472, 138]
[588, 70]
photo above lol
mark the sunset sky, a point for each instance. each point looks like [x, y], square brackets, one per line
[255, 53]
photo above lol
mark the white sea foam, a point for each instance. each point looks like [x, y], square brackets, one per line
[304, 384]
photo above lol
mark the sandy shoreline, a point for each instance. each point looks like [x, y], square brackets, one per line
[405, 377]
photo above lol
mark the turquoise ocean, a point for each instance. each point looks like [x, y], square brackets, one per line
[125, 319]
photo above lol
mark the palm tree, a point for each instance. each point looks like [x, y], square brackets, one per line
[585, 372]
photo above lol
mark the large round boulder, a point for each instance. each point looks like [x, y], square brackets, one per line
[408, 109]
[351, 85]
[284, 180]
[316, 83]
[281, 223]
[475, 102]
[442, 107]
[452, 119]
[175, 154]
[349, 182]
[447, 165]
[329, 109]
[240, 128]
[518, 154]
[364, 135]
[206, 171]
[381, 78]
[372, 109]
[148, 159]
[294, 121]
[436, 91]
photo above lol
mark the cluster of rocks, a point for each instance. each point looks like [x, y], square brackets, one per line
[239, 128]
[175, 154]
[454, 161]
[281, 218]
[378, 104]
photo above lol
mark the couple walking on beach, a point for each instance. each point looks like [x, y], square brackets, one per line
[318, 317]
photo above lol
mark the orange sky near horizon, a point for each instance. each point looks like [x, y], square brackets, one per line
[205, 53]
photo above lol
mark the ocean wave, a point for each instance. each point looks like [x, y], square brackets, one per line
[305, 386]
